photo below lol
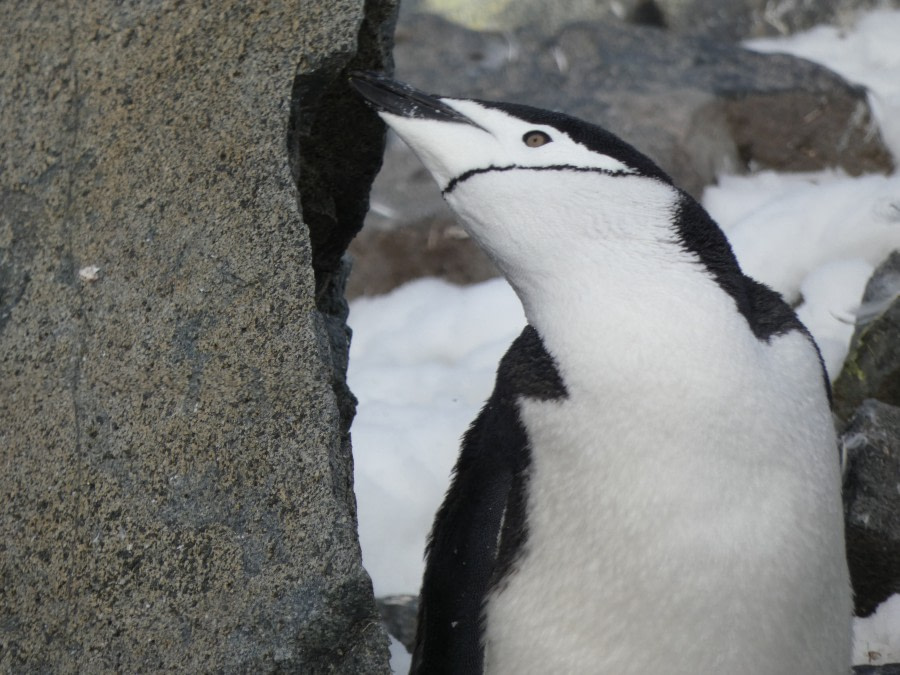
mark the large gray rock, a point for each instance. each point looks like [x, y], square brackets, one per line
[732, 20]
[506, 15]
[176, 481]
[872, 367]
[871, 443]
[384, 258]
[698, 107]
[740, 19]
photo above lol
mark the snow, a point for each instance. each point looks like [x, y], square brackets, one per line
[791, 230]
[423, 357]
[401, 659]
[422, 362]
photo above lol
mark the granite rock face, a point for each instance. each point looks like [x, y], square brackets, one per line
[872, 368]
[871, 443]
[177, 481]
[699, 107]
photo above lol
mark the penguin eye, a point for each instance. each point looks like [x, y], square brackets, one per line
[535, 139]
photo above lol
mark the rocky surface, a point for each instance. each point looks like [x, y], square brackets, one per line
[758, 18]
[699, 107]
[735, 20]
[871, 446]
[384, 258]
[872, 368]
[509, 15]
[177, 481]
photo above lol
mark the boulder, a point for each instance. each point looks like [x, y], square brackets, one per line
[507, 15]
[871, 447]
[872, 367]
[177, 484]
[696, 106]
[731, 21]
[742, 19]
[384, 258]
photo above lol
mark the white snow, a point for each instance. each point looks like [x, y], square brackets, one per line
[793, 230]
[423, 357]
[422, 362]
[401, 659]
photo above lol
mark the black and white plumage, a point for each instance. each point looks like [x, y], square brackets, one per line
[653, 485]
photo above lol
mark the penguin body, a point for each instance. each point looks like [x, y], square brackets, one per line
[653, 485]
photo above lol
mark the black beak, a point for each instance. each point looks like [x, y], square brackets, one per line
[398, 98]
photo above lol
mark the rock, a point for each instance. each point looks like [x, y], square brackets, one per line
[177, 481]
[696, 106]
[872, 367]
[886, 669]
[731, 21]
[506, 15]
[386, 258]
[871, 447]
[400, 614]
[741, 19]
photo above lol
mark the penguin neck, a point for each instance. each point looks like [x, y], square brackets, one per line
[631, 316]
[605, 282]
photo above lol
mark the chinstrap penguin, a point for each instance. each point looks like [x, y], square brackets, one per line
[653, 486]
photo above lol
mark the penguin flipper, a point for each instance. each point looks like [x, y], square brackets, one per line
[480, 526]
[462, 553]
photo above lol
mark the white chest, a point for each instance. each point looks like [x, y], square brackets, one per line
[681, 529]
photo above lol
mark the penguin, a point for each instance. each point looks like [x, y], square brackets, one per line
[653, 485]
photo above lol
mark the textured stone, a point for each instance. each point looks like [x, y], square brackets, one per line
[698, 107]
[505, 15]
[731, 21]
[388, 257]
[177, 482]
[871, 444]
[872, 367]
[740, 19]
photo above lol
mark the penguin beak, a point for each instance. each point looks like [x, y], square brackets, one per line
[397, 98]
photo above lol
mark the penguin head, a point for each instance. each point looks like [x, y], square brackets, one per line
[530, 185]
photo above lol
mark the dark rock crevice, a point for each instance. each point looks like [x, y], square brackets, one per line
[335, 146]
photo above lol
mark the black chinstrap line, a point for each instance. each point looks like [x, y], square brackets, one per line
[512, 167]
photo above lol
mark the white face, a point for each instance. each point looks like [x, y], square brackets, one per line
[548, 210]
[449, 149]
